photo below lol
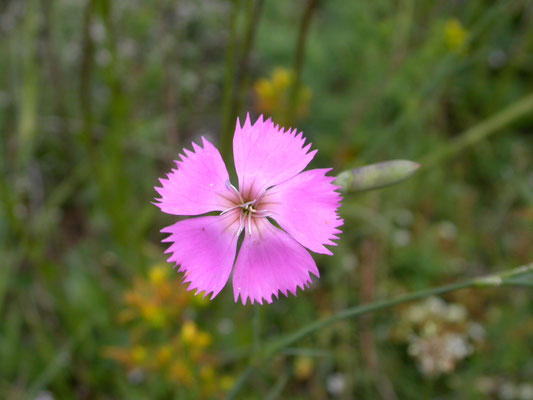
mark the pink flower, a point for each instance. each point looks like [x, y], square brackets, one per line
[269, 163]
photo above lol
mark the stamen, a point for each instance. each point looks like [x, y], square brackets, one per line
[248, 211]
[230, 186]
[263, 192]
[262, 213]
[229, 209]
[248, 203]
[241, 223]
[250, 223]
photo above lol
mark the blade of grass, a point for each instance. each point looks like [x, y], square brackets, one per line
[481, 131]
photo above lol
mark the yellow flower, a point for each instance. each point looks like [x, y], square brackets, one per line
[202, 340]
[207, 373]
[132, 298]
[164, 355]
[455, 34]
[266, 96]
[158, 274]
[188, 332]
[200, 301]
[126, 316]
[264, 88]
[273, 95]
[139, 354]
[282, 78]
[118, 354]
[303, 367]
[227, 382]
[154, 314]
[182, 373]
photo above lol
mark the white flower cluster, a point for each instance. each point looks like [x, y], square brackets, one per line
[439, 353]
[504, 389]
[439, 335]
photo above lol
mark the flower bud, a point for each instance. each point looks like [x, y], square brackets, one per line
[376, 176]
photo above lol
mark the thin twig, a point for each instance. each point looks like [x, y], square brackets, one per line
[502, 279]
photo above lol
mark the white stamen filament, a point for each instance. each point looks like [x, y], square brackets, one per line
[248, 203]
[230, 186]
[262, 213]
[248, 211]
[229, 209]
[241, 223]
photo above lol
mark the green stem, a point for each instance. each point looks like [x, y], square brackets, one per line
[229, 88]
[8, 201]
[275, 392]
[495, 280]
[299, 59]
[270, 350]
[291, 338]
[256, 326]
[482, 130]
[86, 72]
[256, 330]
[240, 382]
[518, 282]
[254, 12]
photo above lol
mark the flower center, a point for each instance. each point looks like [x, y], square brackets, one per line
[249, 209]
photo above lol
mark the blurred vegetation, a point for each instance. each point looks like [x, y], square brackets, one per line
[98, 97]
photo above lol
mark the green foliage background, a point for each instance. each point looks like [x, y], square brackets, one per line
[98, 97]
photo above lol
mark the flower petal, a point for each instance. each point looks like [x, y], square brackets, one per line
[270, 261]
[306, 208]
[266, 155]
[198, 185]
[204, 247]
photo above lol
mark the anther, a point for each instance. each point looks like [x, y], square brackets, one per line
[248, 203]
